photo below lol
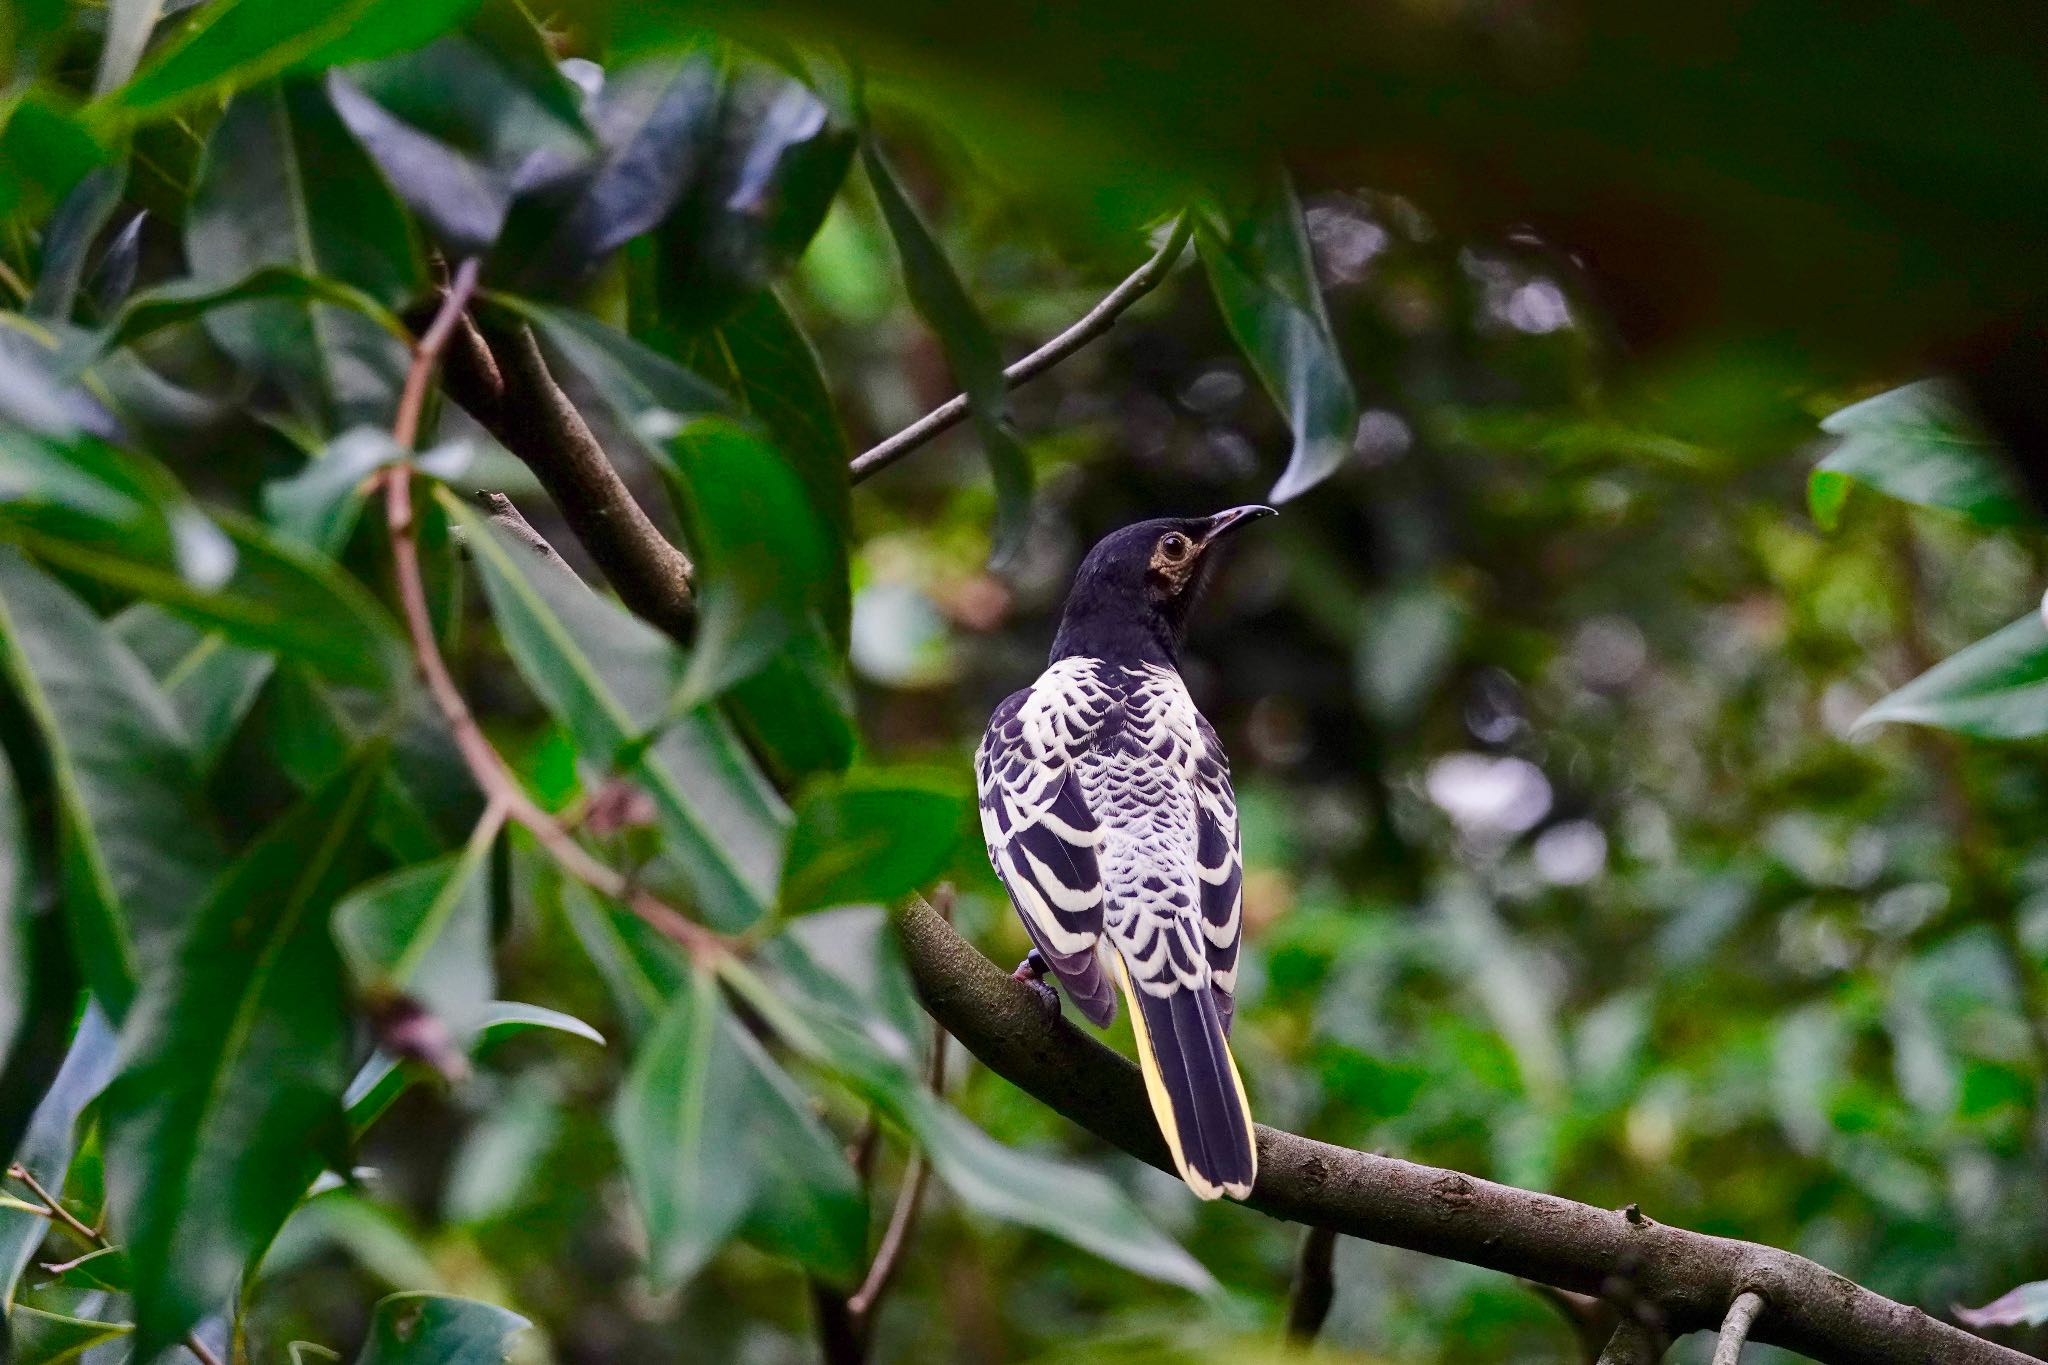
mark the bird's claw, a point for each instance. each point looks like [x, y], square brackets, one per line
[1032, 972]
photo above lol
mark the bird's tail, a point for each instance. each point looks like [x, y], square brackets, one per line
[1195, 1090]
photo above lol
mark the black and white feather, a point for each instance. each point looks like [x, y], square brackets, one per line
[1109, 816]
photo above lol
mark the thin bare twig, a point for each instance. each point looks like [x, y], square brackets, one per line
[1093, 324]
[98, 1240]
[1742, 1315]
[1315, 1286]
[497, 781]
[909, 1200]
[505, 513]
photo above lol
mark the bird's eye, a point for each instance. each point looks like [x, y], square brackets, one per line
[1174, 546]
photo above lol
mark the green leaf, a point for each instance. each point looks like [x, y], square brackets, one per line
[440, 1329]
[51, 1141]
[653, 122]
[45, 149]
[1994, 689]
[382, 1080]
[234, 1064]
[609, 679]
[1916, 444]
[283, 184]
[68, 239]
[234, 44]
[281, 599]
[797, 712]
[970, 347]
[1265, 284]
[50, 1338]
[107, 1269]
[211, 683]
[641, 969]
[20, 929]
[314, 731]
[137, 845]
[871, 837]
[1072, 1202]
[191, 300]
[779, 164]
[425, 933]
[710, 1131]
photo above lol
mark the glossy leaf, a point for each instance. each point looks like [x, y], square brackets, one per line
[710, 1131]
[1265, 284]
[779, 163]
[234, 1062]
[284, 185]
[69, 238]
[941, 300]
[425, 933]
[1916, 444]
[872, 837]
[138, 848]
[440, 1329]
[51, 1141]
[653, 124]
[42, 1338]
[1996, 688]
[191, 300]
[609, 678]
[314, 731]
[382, 1079]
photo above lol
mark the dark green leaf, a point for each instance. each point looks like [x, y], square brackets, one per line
[439, 1329]
[1915, 444]
[970, 347]
[69, 237]
[1265, 284]
[382, 1079]
[51, 1338]
[780, 162]
[283, 184]
[425, 933]
[1994, 689]
[20, 929]
[191, 300]
[106, 1269]
[45, 149]
[641, 969]
[314, 731]
[609, 679]
[234, 1066]
[211, 683]
[710, 1131]
[871, 837]
[653, 123]
[798, 711]
[52, 1138]
[138, 849]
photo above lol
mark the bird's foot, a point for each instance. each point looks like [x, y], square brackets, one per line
[1032, 972]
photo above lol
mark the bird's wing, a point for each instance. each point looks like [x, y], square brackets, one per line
[1219, 864]
[1041, 835]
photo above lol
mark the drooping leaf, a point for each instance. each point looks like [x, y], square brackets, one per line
[871, 837]
[1265, 284]
[235, 44]
[942, 301]
[2026, 1306]
[779, 163]
[425, 933]
[129, 24]
[653, 122]
[382, 1079]
[1996, 688]
[609, 679]
[233, 1067]
[283, 184]
[68, 239]
[797, 712]
[51, 1140]
[710, 1131]
[42, 1338]
[138, 848]
[641, 969]
[440, 1329]
[1916, 444]
[319, 506]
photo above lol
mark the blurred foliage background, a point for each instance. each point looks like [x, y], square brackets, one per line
[1568, 863]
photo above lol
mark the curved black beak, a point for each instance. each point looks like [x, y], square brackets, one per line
[1233, 517]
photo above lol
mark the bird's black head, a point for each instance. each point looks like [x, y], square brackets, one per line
[1131, 597]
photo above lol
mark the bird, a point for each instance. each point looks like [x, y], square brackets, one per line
[1107, 808]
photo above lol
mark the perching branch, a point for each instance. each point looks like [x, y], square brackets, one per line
[1093, 324]
[1742, 1315]
[1688, 1277]
[1315, 1287]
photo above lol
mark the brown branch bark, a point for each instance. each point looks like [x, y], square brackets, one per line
[1315, 1286]
[1688, 1277]
[1092, 324]
[1735, 1328]
[503, 381]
